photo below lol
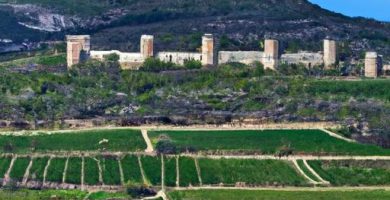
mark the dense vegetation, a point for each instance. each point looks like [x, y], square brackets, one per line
[19, 168]
[131, 170]
[266, 142]
[231, 171]
[216, 95]
[353, 173]
[95, 140]
[188, 174]
[277, 195]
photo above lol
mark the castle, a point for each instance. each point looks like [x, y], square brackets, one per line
[79, 49]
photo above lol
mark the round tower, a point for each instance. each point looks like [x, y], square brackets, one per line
[207, 50]
[330, 53]
[371, 65]
[147, 46]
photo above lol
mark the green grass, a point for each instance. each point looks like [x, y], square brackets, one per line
[170, 171]
[91, 171]
[188, 173]
[110, 167]
[73, 172]
[278, 195]
[41, 194]
[56, 170]
[252, 172]
[131, 170]
[37, 168]
[19, 168]
[118, 140]
[306, 170]
[353, 173]
[152, 169]
[4, 165]
[267, 141]
[106, 195]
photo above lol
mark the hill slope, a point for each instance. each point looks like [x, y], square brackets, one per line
[178, 24]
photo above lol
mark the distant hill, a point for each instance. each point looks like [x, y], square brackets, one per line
[178, 24]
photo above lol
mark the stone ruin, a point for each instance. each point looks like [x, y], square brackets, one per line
[79, 50]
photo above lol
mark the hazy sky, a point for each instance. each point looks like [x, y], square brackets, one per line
[378, 9]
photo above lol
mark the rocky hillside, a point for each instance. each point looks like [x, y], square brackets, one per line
[178, 24]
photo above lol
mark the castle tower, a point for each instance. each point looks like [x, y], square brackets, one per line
[78, 48]
[371, 65]
[207, 50]
[330, 53]
[271, 54]
[147, 46]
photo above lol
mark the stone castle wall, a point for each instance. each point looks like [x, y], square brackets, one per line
[330, 53]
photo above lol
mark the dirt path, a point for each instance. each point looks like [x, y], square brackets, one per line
[142, 171]
[290, 158]
[198, 171]
[231, 126]
[100, 170]
[45, 170]
[177, 172]
[315, 173]
[82, 172]
[122, 176]
[7, 174]
[300, 171]
[337, 135]
[149, 148]
[65, 170]
[162, 174]
[27, 173]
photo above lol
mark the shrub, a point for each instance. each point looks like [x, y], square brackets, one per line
[192, 64]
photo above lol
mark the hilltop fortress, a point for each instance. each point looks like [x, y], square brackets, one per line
[79, 49]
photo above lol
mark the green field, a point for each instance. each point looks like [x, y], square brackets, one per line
[91, 171]
[41, 194]
[110, 167]
[188, 173]
[251, 172]
[19, 168]
[4, 165]
[56, 170]
[152, 169]
[73, 172]
[118, 140]
[267, 142]
[131, 170]
[170, 171]
[37, 168]
[278, 195]
[354, 173]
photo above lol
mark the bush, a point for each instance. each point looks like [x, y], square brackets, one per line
[192, 64]
[165, 145]
[138, 191]
[156, 65]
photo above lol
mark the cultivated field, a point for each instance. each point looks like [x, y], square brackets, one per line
[266, 142]
[278, 195]
[353, 173]
[110, 140]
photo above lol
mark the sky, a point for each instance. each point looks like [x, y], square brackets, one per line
[377, 9]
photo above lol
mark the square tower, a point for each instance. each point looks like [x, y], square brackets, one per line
[371, 65]
[78, 48]
[330, 53]
[147, 46]
[207, 50]
[271, 54]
